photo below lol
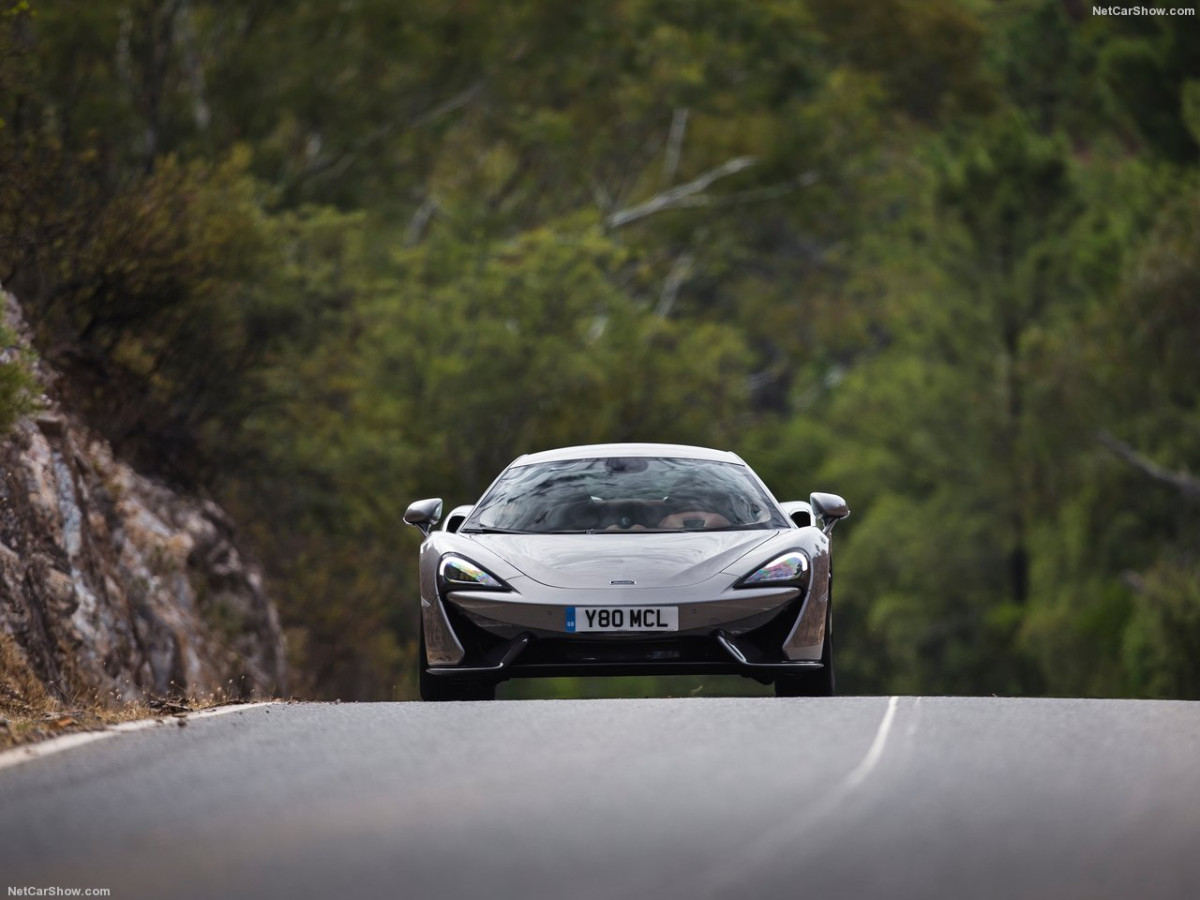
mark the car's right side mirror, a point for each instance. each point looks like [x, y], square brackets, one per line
[424, 514]
[828, 510]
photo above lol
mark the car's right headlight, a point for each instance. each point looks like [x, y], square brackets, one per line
[457, 573]
[788, 569]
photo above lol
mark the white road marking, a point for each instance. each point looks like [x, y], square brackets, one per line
[784, 835]
[18, 755]
[863, 769]
[28, 752]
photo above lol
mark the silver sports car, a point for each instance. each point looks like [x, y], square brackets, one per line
[631, 559]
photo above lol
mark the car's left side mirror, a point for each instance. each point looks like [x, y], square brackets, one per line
[424, 514]
[828, 510]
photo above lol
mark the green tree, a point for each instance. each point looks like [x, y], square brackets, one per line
[938, 431]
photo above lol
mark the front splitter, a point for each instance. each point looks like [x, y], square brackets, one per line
[739, 658]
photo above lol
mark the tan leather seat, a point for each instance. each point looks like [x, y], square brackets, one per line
[694, 519]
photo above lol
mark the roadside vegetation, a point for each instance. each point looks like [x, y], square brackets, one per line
[30, 713]
[943, 257]
[16, 382]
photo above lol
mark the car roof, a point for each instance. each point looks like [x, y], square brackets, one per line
[593, 451]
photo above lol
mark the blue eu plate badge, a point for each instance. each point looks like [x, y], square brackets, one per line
[582, 619]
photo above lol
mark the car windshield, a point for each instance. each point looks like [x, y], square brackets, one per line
[624, 494]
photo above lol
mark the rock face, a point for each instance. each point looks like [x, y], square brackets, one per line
[113, 587]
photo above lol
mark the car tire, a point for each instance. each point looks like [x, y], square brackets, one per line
[819, 683]
[448, 689]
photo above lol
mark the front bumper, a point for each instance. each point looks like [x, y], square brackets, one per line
[752, 646]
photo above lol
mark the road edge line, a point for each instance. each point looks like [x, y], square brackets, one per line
[29, 752]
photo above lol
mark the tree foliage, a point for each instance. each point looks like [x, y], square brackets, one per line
[320, 259]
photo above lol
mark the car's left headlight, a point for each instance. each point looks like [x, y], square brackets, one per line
[791, 568]
[456, 572]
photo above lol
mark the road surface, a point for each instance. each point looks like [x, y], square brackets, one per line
[849, 797]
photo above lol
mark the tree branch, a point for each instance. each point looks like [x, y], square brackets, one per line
[769, 192]
[193, 68]
[679, 273]
[1184, 483]
[686, 195]
[419, 222]
[675, 144]
[340, 162]
[458, 101]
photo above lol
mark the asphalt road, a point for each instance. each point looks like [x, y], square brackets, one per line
[689, 798]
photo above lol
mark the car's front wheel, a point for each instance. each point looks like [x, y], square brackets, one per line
[442, 688]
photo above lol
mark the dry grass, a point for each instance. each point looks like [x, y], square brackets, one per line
[20, 689]
[29, 713]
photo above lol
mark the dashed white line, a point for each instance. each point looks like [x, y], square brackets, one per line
[28, 752]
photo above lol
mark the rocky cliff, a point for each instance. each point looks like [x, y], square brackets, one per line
[114, 587]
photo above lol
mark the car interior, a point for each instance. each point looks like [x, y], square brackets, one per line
[595, 514]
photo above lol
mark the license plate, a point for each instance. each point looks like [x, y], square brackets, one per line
[622, 618]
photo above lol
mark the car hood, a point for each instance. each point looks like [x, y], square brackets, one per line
[581, 561]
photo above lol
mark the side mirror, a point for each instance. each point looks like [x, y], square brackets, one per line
[828, 510]
[799, 512]
[457, 516]
[424, 514]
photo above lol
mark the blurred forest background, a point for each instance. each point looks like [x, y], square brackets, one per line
[319, 259]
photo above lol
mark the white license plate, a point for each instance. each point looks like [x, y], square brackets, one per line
[622, 618]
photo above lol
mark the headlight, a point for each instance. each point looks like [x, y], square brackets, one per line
[790, 568]
[457, 573]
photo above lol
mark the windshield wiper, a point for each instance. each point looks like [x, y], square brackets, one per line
[486, 529]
